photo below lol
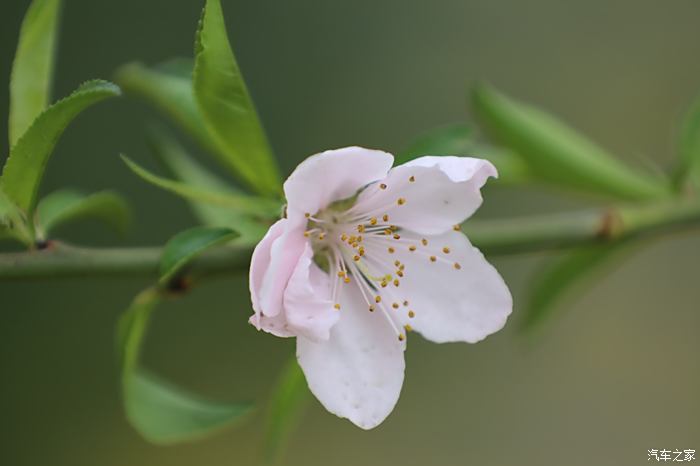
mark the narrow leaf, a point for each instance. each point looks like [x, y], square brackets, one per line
[689, 164]
[227, 108]
[252, 205]
[288, 400]
[574, 269]
[169, 88]
[459, 139]
[24, 169]
[32, 69]
[161, 412]
[65, 206]
[187, 245]
[187, 170]
[557, 153]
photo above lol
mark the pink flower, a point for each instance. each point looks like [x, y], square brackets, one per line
[366, 253]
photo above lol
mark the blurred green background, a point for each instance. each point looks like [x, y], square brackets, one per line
[616, 373]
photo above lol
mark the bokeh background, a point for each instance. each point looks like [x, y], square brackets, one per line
[614, 374]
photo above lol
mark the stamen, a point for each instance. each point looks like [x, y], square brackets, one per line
[424, 242]
[411, 314]
[382, 186]
[373, 221]
[412, 179]
[395, 305]
[411, 248]
[446, 250]
[401, 201]
[433, 258]
[337, 306]
[457, 266]
[457, 227]
[385, 218]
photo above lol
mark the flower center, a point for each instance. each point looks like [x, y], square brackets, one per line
[353, 245]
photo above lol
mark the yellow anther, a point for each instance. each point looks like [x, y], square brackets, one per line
[343, 237]
[405, 303]
[446, 250]
[396, 282]
[411, 314]
[401, 201]
[352, 239]
[393, 227]
[361, 251]
[395, 305]
[382, 186]
[457, 266]
[408, 328]
[346, 279]
[337, 306]
[391, 250]
[307, 215]
[456, 227]
[356, 258]
[377, 299]
[397, 263]
[384, 283]
[373, 221]
[306, 234]
[322, 236]
[412, 179]
[401, 337]
[433, 258]
[411, 248]
[341, 274]
[396, 236]
[361, 228]
[359, 238]
[371, 308]
[401, 267]
[424, 242]
[385, 218]
[399, 273]
[388, 232]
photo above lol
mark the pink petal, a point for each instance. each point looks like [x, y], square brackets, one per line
[307, 300]
[430, 194]
[331, 176]
[449, 303]
[358, 373]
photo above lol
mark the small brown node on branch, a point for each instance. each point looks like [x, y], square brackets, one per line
[179, 285]
[45, 244]
[610, 225]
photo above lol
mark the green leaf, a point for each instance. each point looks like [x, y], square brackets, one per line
[288, 400]
[65, 206]
[459, 139]
[169, 88]
[689, 163]
[557, 153]
[227, 108]
[187, 245]
[261, 207]
[187, 170]
[166, 414]
[574, 269]
[32, 69]
[26, 164]
[161, 412]
[13, 224]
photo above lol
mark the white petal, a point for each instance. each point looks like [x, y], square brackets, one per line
[450, 304]
[284, 254]
[436, 193]
[260, 261]
[307, 300]
[331, 176]
[358, 373]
